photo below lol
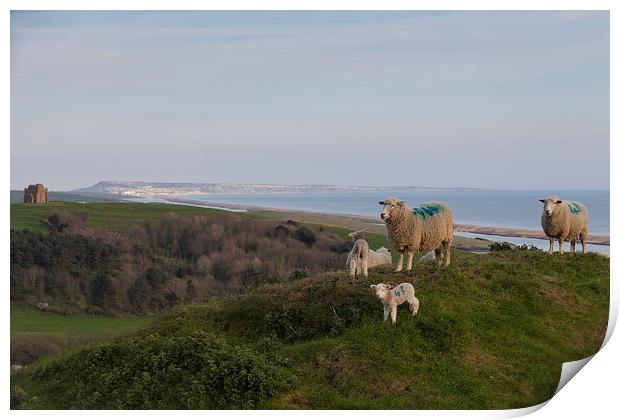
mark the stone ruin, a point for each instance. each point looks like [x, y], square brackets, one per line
[35, 194]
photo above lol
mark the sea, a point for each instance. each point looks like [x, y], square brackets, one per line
[516, 209]
[498, 208]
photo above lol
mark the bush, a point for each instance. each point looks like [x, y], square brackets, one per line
[297, 275]
[305, 235]
[500, 246]
[195, 371]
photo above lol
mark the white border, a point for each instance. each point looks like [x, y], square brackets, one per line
[593, 392]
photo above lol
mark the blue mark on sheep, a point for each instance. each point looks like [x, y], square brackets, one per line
[426, 210]
[574, 208]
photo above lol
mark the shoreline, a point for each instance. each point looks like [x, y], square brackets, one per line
[374, 222]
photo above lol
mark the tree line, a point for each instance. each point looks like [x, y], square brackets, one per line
[154, 265]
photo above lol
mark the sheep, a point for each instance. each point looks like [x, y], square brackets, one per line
[392, 297]
[426, 227]
[379, 257]
[565, 221]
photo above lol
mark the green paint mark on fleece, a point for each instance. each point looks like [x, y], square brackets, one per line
[426, 210]
[574, 208]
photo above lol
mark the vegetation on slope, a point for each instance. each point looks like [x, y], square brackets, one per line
[151, 266]
[492, 332]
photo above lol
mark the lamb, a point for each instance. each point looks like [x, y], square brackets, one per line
[392, 297]
[366, 259]
[361, 257]
[357, 261]
[565, 221]
[379, 257]
[426, 227]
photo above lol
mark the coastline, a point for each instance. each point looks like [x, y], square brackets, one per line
[373, 224]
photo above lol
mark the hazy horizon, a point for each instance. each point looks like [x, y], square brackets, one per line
[499, 100]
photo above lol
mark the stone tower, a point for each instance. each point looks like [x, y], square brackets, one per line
[35, 194]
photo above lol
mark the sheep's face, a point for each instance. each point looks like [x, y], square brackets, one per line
[390, 206]
[381, 290]
[550, 204]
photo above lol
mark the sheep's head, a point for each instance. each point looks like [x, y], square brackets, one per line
[357, 234]
[550, 203]
[390, 206]
[381, 290]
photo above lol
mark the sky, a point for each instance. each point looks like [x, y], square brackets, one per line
[515, 100]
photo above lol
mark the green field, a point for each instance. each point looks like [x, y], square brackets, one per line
[101, 215]
[31, 320]
[492, 332]
[36, 334]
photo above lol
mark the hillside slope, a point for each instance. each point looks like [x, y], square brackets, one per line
[492, 332]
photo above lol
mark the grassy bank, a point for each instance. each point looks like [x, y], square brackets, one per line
[36, 334]
[492, 332]
[31, 320]
[100, 215]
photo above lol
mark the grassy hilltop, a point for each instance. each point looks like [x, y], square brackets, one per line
[492, 332]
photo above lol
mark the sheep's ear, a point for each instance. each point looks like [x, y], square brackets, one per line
[351, 235]
[401, 203]
[373, 286]
[542, 200]
[381, 202]
[389, 286]
[363, 230]
[558, 202]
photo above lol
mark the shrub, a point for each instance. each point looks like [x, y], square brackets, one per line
[296, 275]
[500, 246]
[195, 371]
[305, 235]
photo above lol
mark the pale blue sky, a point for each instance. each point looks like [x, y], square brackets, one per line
[480, 99]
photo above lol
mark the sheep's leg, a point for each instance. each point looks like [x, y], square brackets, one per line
[414, 305]
[353, 269]
[561, 241]
[399, 267]
[409, 259]
[550, 246]
[393, 312]
[365, 267]
[583, 243]
[438, 256]
[446, 255]
[386, 312]
[572, 246]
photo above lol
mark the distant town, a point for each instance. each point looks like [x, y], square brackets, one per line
[140, 188]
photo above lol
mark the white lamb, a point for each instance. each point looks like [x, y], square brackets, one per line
[392, 297]
[361, 257]
[379, 257]
[357, 261]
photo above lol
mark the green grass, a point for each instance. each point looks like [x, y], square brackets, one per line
[31, 320]
[492, 332]
[36, 334]
[102, 215]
